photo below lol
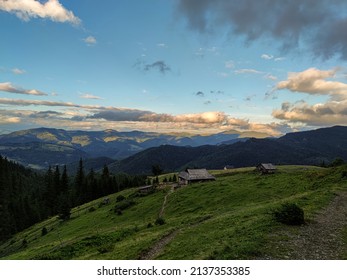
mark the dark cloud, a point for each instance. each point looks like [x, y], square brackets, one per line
[321, 24]
[120, 115]
[45, 114]
[200, 93]
[159, 65]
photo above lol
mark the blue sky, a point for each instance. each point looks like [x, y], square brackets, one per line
[173, 66]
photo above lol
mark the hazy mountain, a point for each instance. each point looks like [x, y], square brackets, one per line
[309, 147]
[41, 147]
[136, 151]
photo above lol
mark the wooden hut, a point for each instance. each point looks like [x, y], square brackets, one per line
[266, 168]
[194, 175]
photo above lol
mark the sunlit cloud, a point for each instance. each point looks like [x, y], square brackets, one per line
[70, 115]
[51, 9]
[329, 113]
[315, 82]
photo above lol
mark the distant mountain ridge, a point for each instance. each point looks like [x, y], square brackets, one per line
[302, 148]
[136, 152]
[41, 147]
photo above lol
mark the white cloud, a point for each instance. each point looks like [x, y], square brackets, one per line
[247, 71]
[27, 9]
[267, 56]
[18, 71]
[8, 87]
[270, 77]
[162, 45]
[90, 96]
[329, 113]
[314, 82]
[90, 40]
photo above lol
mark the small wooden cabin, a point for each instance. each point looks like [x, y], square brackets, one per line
[266, 168]
[194, 175]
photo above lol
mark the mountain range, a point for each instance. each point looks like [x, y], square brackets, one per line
[40, 147]
[302, 148]
[136, 152]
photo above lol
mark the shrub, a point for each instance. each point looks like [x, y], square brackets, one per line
[91, 209]
[289, 214]
[24, 243]
[160, 221]
[124, 204]
[44, 231]
[149, 225]
[120, 198]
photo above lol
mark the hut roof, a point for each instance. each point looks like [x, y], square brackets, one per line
[199, 174]
[268, 166]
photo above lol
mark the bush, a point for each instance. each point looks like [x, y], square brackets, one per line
[149, 225]
[91, 209]
[120, 198]
[289, 214]
[44, 231]
[160, 221]
[124, 204]
[24, 243]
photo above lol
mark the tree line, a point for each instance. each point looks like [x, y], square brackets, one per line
[28, 197]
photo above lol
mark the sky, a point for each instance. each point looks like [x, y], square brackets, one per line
[174, 66]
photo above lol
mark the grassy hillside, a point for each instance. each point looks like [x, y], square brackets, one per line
[226, 219]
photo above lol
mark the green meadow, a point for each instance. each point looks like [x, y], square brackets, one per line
[229, 218]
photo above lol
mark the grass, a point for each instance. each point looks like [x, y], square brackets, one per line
[344, 239]
[229, 218]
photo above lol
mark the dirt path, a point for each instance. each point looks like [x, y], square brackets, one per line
[158, 247]
[161, 213]
[319, 239]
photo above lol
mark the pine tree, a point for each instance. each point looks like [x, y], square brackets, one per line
[80, 184]
[50, 192]
[64, 183]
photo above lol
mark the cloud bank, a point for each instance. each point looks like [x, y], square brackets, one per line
[314, 82]
[51, 9]
[70, 115]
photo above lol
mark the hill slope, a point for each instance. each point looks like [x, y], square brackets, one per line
[225, 219]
